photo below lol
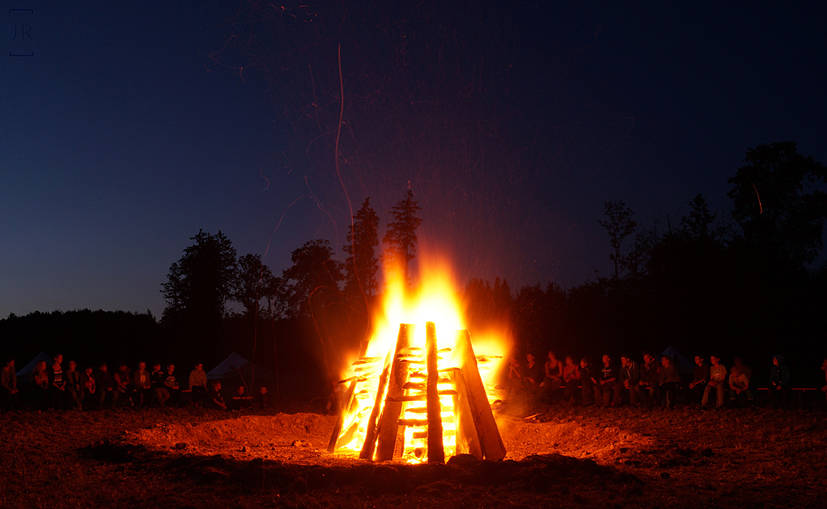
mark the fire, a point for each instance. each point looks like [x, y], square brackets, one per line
[434, 301]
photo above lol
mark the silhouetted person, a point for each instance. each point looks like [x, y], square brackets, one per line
[57, 383]
[780, 387]
[669, 381]
[106, 386]
[142, 385]
[241, 400]
[90, 389]
[649, 381]
[40, 381]
[73, 385]
[198, 384]
[552, 377]
[589, 388]
[515, 378]
[716, 384]
[216, 398]
[629, 378]
[157, 378]
[263, 401]
[123, 386]
[571, 376]
[171, 383]
[700, 377]
[8, 386]
[532, 373]
[739, 383]
[609, 388]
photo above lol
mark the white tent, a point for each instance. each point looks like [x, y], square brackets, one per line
[28, 368]
[231, 366]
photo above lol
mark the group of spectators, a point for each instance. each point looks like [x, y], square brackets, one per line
[53, 386]
[655, 382]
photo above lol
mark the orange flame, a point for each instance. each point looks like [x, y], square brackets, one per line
[436, 300]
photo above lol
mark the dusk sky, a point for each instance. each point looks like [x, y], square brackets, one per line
[130, 128]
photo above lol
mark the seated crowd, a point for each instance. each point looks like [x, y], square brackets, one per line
[655, 382]
[51, 386]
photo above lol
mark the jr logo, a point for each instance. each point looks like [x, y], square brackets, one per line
[20, 32]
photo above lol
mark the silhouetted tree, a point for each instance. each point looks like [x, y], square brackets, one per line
[361, 264]
[400, 237]
[698, 224]
[202, 280]
[313, 278]
[619, 224]
[252, 283]
[779, 202]
[197, 288]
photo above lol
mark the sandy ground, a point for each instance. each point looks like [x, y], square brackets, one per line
[577, 457]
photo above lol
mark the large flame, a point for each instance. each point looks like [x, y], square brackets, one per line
[435, 299]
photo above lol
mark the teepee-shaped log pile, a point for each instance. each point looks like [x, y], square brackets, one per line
[412, 381]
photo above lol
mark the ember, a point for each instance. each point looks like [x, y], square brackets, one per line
[426, 396]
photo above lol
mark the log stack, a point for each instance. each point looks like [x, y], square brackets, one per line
[432, 403]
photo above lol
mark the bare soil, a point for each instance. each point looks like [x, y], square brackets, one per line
[577, 457]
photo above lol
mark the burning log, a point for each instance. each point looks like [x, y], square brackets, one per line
[444, 409]
[388, 425]
[436, 453]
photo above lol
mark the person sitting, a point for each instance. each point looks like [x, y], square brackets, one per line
[700, 377]
[198, 384]
[739, 379]
[73, 386]
[263, 401]
[141, 385]
[552, 378]
[570, 377]
[670, 380]
[171, 384]
[780, 388]
[157, 378]
[241, 400]
[57, 386]
[217, 397]
[106, 386]
[89, 389]
[8, 386]
[609, 388]
[717, 379]
[589, 388]
[122, 394]
[40, 379]
[629, 378]
[649, 381]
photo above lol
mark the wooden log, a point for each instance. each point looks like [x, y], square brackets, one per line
[370, 435]
[468, 441]
[436, 453]
[491, 442]
[337, 428]
[388, 426]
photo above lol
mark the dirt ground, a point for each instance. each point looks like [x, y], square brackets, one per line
[577, 457]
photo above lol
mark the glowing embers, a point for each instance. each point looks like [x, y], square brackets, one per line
[426, 401]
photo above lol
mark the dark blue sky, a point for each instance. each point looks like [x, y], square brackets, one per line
[132, 127]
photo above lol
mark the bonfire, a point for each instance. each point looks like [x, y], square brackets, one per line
[419, 392]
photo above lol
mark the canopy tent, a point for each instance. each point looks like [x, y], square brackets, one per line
[238, 369]
[683, 363]
[28, 368]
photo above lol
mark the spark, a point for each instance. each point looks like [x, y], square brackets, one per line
[758, 196]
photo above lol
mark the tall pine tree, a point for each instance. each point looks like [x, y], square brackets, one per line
[400, 238]
[361, 264]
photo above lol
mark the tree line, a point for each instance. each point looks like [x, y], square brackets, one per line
[750, 282]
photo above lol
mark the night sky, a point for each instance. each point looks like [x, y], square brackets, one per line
[129, 128]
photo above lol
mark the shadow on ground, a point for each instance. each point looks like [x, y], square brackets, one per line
[536, 474]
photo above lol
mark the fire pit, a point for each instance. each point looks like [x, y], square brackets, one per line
[427, 403]
[422, 397]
